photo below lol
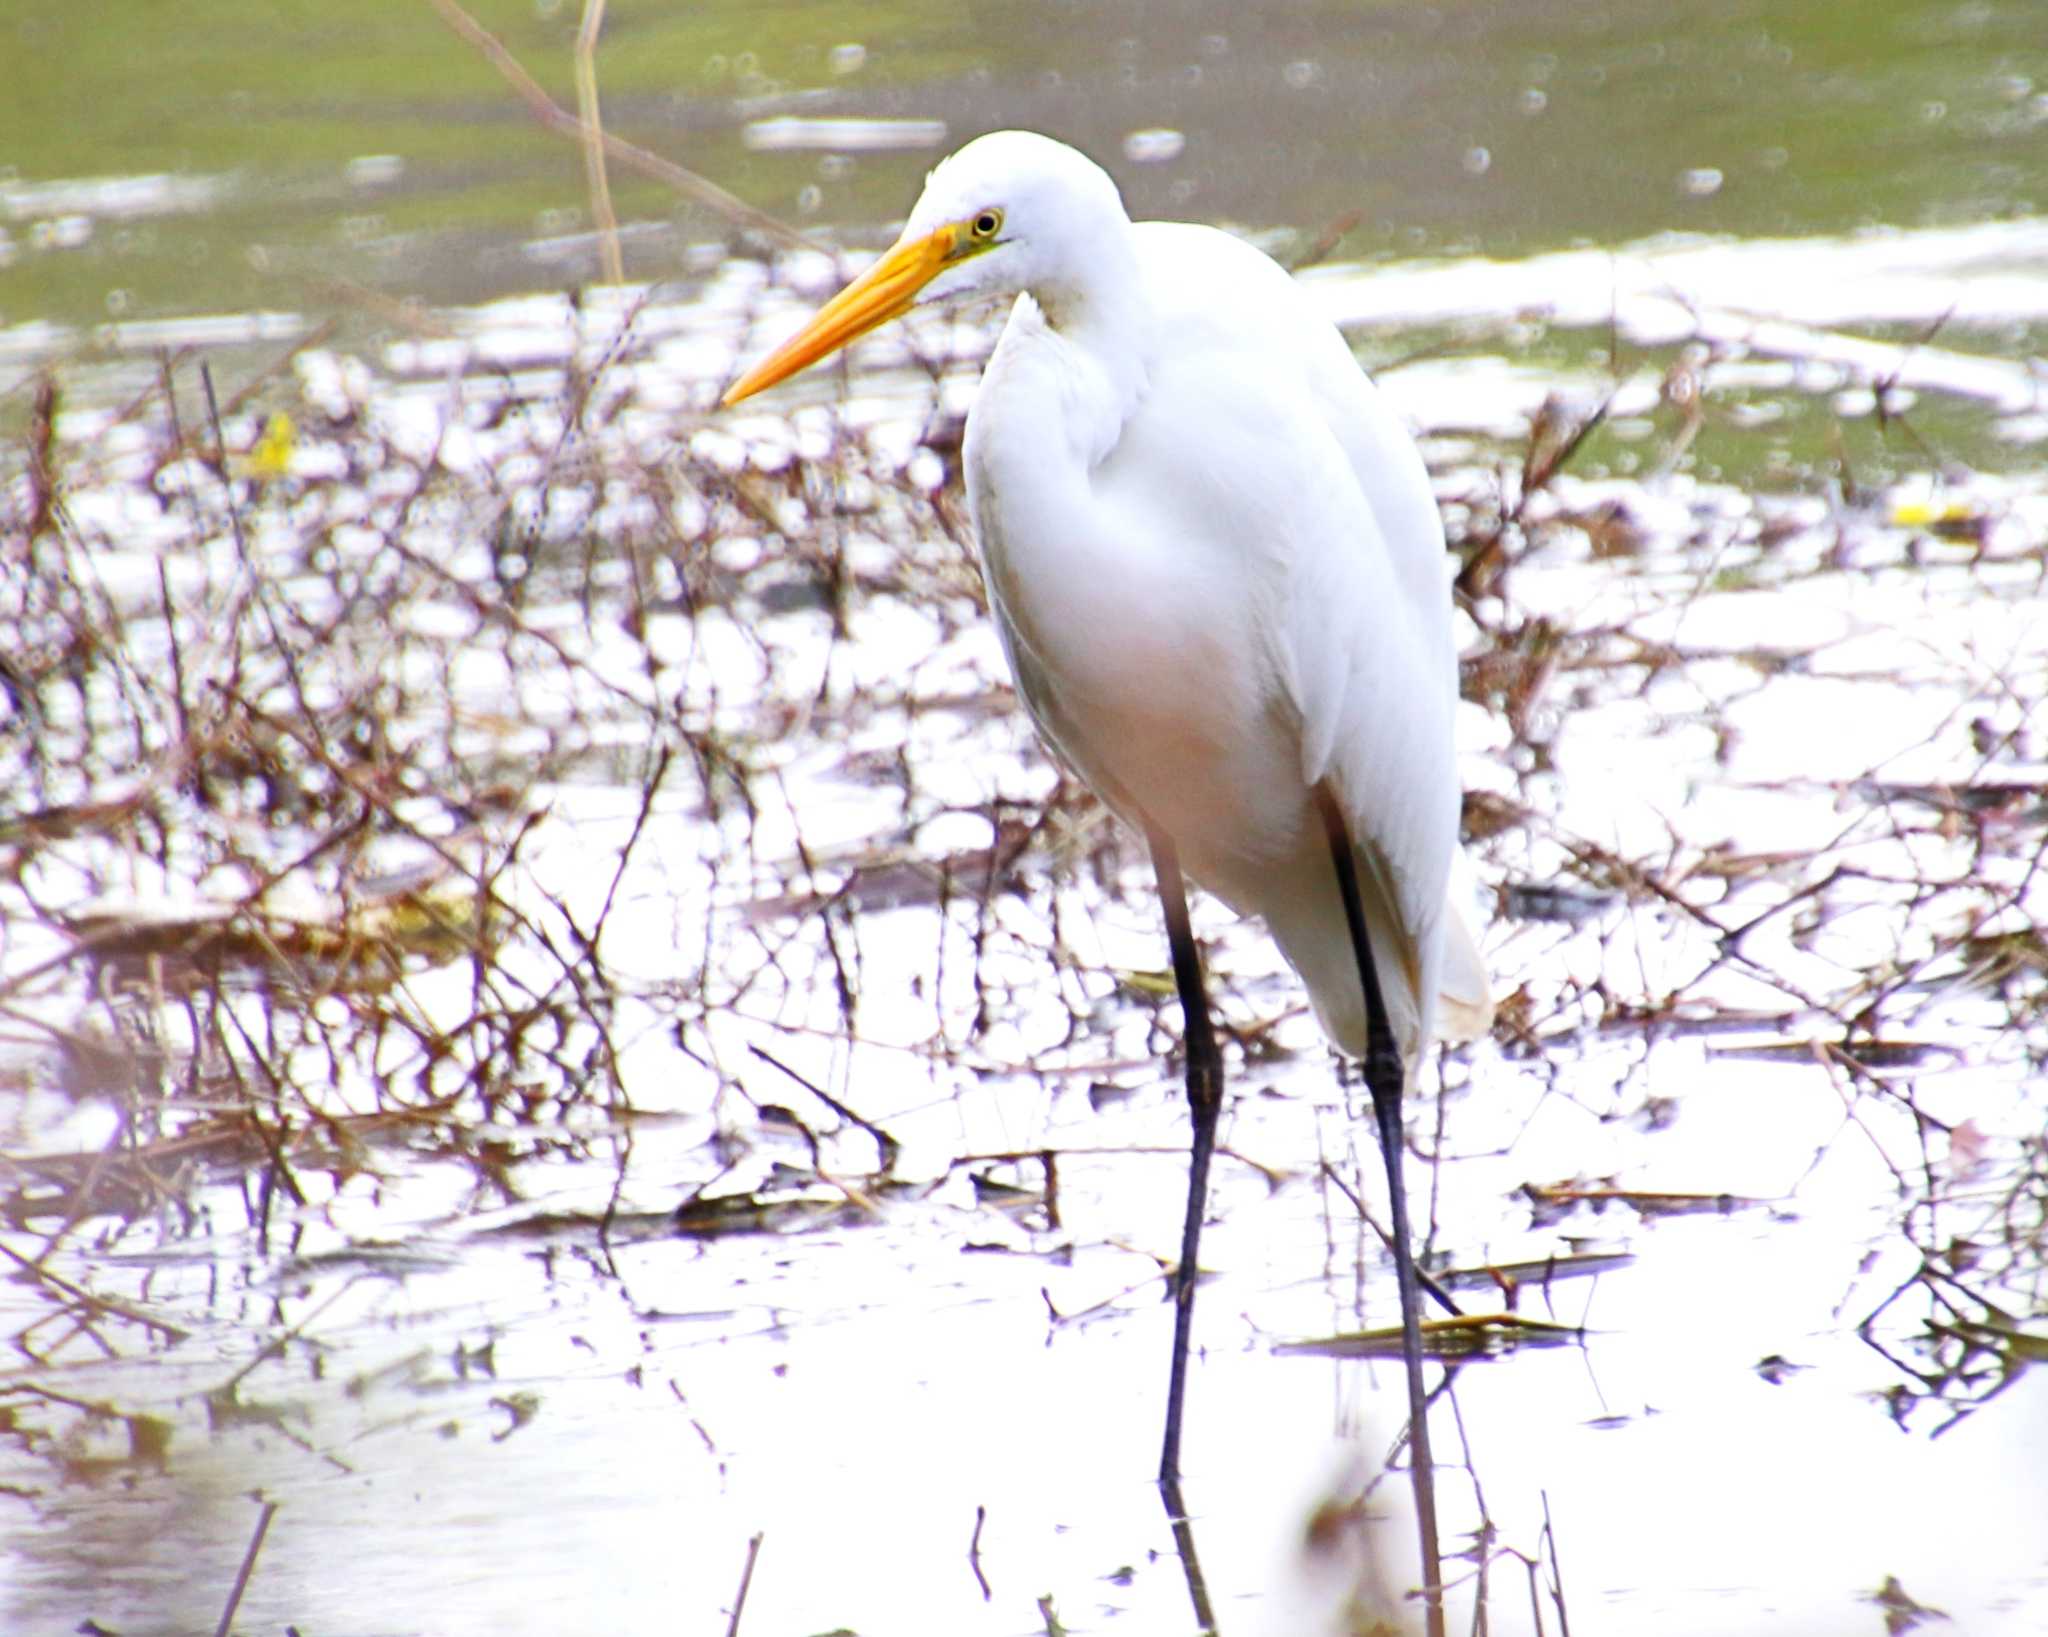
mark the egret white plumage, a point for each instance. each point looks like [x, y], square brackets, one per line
[1220, 578]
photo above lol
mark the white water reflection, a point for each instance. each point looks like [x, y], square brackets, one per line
[112, 197]
[792, 131]
[1775, 298]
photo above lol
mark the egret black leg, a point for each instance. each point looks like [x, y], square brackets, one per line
[1205, 1106]
[1385, 1078]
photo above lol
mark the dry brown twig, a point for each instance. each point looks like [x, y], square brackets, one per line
[593, 142]
[698, 189]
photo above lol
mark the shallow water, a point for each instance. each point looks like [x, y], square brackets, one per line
[383, 1228]
[1771, 704]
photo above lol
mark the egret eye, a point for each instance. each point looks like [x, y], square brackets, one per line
[988, 224]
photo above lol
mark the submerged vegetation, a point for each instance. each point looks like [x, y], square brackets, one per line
[432, 777]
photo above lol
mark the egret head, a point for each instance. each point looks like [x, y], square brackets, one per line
[1010, 211]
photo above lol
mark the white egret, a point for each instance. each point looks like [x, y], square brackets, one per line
[1220, 577]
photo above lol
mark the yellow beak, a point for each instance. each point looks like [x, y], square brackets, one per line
[883, 292]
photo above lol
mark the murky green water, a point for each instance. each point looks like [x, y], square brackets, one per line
[1460, 129]
[1752, 740]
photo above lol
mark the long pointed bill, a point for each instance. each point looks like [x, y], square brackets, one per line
[883, 292]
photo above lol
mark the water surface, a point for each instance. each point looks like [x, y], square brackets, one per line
[421, 823]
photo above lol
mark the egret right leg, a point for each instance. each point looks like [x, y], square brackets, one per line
[1385, 1078]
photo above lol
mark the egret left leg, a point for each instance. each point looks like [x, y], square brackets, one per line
[1205, 1107]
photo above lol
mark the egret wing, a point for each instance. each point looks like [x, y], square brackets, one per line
[1351, 602]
